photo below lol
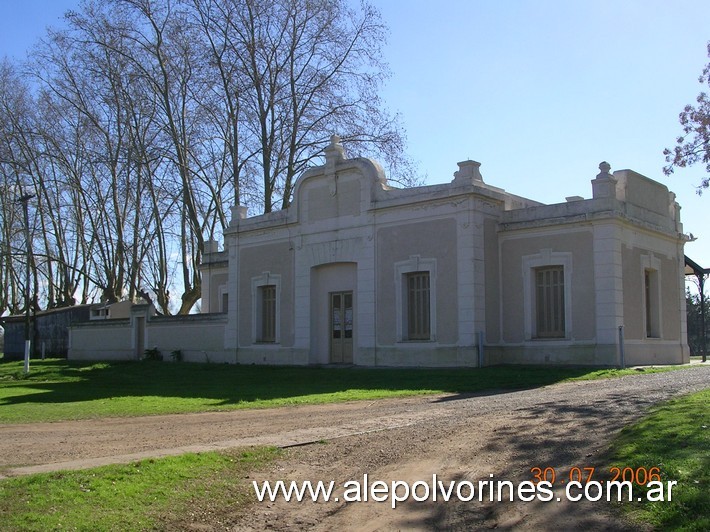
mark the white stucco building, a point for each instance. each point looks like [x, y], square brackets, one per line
[457, 274]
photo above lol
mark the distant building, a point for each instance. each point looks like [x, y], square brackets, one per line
[49, 331]
[458, 274]
[50, 328]
[111, 311]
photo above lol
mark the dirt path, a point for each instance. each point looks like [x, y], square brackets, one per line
[455, 437]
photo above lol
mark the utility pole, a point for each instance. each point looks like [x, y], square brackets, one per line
[23, 199]
[692, 268]
[701, 283]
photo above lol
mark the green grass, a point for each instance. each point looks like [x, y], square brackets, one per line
[162, 493]
[56, 389]
[144, 495]
[675, 437]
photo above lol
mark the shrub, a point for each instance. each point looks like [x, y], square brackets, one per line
[152, 354]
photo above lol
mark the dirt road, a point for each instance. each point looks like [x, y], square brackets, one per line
[455, 437]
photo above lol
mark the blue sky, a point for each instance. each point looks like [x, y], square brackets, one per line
[538, 91]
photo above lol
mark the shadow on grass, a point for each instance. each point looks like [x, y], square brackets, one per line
[59, 381]
[562, 448]
[673, 437]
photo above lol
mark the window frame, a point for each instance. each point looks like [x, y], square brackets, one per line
[651, 297]
[418, 287]
[415, 264]
[530, 263]
[266, 328]
[223, 299]
[548, 300]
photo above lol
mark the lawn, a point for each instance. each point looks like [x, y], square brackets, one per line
[163, 493]
[145, 495]
[675, 438]
[56, 389]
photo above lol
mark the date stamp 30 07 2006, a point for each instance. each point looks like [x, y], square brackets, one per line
[640, 476]
[620, 480]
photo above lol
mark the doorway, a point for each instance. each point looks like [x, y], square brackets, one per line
[341, 327]
[328, 281]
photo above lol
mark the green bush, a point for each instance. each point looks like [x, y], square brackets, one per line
[152, 354]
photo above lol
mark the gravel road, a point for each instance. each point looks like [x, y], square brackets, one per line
[456, 437]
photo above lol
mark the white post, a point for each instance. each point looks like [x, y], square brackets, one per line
[27, 356]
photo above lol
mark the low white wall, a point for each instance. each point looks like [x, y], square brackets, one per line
[273, 355]
[101, 340]
[199, 338]
[652, 352]
[567, 353]
[418, 356]
[636, 353]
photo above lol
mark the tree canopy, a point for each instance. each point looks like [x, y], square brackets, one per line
[139, 124]
[693, 146]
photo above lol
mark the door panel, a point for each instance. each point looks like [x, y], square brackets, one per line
[341, 327]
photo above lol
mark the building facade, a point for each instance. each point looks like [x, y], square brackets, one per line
[458, 274]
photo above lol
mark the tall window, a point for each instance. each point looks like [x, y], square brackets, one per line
[418, 310]
[267, 314]
[550, 302]
[651, 303]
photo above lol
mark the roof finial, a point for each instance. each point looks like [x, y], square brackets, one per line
[604, 167]
[604, 186]
[334, 152]
[468, 172]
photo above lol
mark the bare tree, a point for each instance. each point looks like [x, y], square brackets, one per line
[15, 180]
[162, 52]
[147, 119]
[304, 70]
[80, 85]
